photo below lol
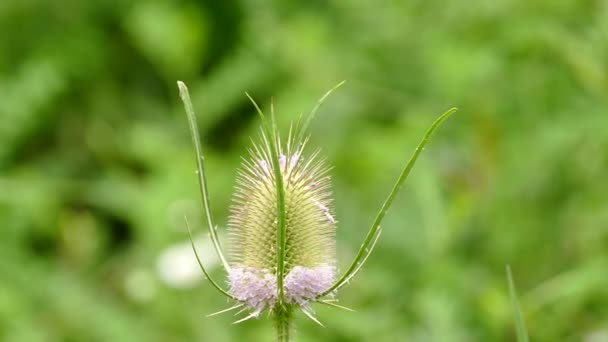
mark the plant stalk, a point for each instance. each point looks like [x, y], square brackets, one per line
[283, 321]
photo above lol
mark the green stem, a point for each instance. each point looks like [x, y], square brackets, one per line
[283, 320]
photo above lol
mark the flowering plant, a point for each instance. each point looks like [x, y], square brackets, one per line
[282, 227]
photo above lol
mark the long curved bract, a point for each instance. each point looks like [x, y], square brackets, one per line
[372, 233]
[185, 96]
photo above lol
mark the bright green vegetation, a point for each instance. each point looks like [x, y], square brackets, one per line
[96, 166]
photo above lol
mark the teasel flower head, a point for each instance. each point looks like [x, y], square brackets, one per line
[309, 244]
[281, 228]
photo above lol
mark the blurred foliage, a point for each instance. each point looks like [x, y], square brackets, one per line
[96, 167]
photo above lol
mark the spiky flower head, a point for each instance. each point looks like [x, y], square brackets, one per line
[309, 256]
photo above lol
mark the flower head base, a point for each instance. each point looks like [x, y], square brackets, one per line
[257, 289]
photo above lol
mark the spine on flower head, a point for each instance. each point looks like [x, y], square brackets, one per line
[310, 229]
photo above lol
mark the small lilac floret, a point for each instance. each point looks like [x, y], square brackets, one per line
[256, 288]
[303, 284]
[293, 161]
[264, 166]
[282, 162]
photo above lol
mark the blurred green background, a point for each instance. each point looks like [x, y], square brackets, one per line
[97, 169]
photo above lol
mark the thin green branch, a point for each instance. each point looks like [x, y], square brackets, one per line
[520, 326]
[202, 181]
[200, 264]
[355, 264]
[270, 130]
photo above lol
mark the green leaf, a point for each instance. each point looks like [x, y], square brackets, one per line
[520, 326]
